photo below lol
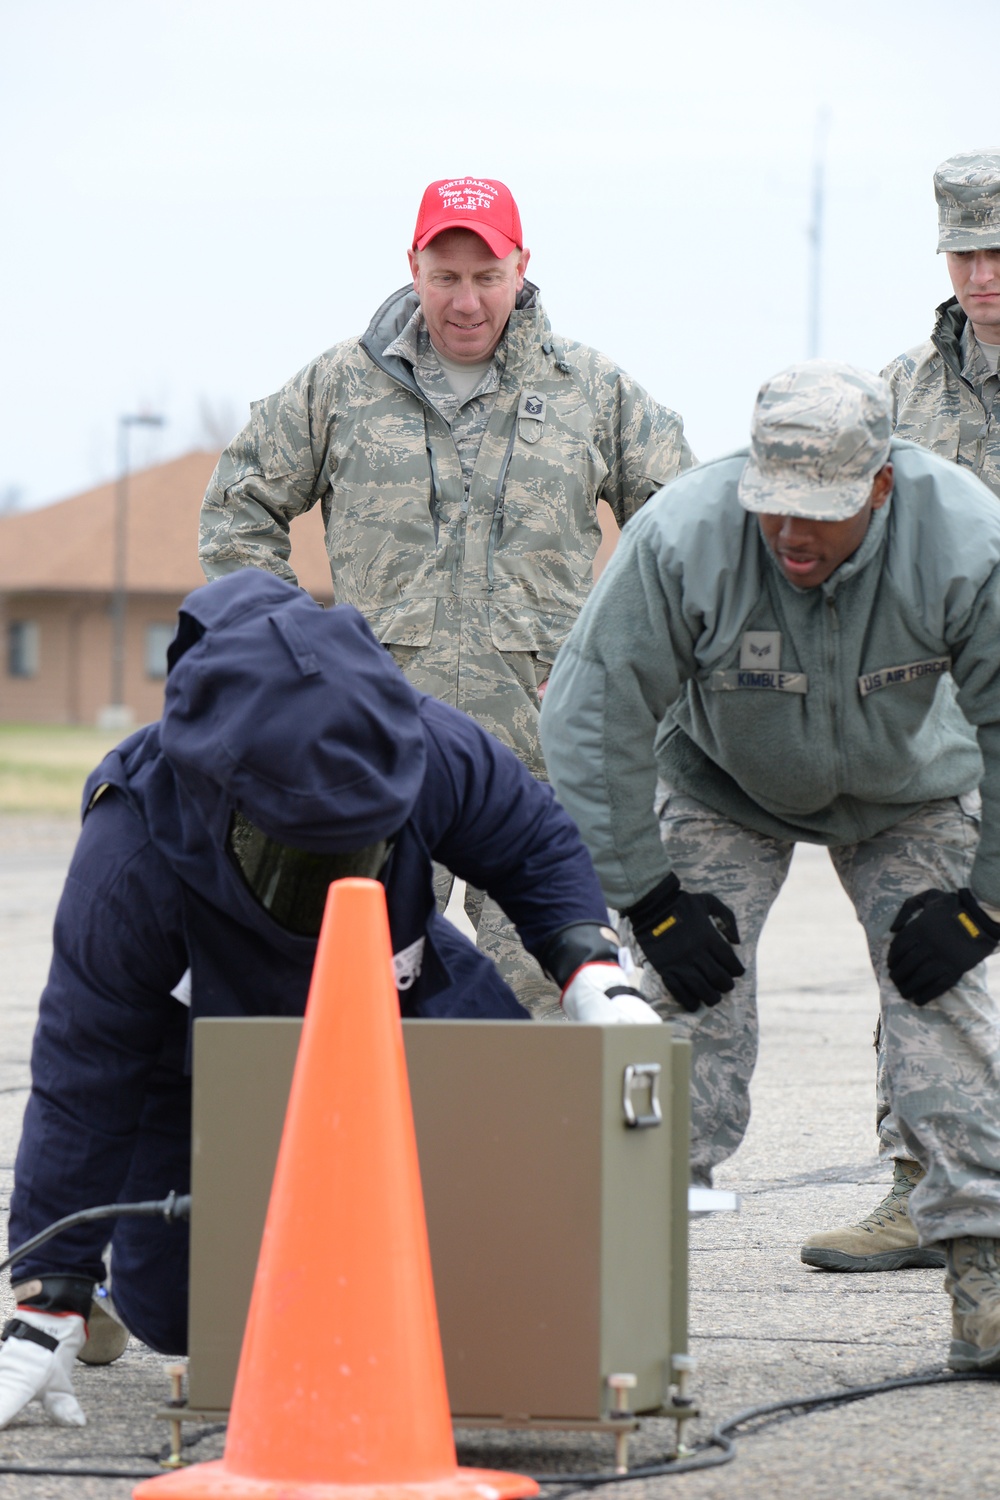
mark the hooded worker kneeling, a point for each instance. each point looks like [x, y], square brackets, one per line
[291, 752]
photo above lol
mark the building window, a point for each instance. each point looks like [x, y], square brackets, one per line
[158, 638]
[22, 648]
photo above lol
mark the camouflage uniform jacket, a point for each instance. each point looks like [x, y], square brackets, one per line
[825, 715]
[473, 588]
[945, 396]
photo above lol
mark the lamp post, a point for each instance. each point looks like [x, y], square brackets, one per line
[116, 717]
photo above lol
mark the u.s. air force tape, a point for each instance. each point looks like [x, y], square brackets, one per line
[777, 682]
[885, 677]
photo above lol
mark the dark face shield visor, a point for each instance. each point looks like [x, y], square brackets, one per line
[291, 884]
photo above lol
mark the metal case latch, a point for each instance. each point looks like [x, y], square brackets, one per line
[644, 1077]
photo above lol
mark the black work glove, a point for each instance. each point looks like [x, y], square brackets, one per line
[940, 935]
[688, 939]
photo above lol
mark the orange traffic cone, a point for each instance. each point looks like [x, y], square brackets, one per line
[340, 1393]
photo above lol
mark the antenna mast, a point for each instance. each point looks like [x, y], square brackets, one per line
[815, 232]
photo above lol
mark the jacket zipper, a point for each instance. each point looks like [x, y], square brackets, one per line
[496, 527]
[945, 351]
[834, 630]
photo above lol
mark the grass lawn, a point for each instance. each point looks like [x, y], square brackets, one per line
[43, 766]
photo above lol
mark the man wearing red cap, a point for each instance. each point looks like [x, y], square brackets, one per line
[458, 449]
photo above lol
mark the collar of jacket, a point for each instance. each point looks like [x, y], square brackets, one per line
[949, 325]
[527, 327]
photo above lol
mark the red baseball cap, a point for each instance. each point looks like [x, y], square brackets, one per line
[477, 203]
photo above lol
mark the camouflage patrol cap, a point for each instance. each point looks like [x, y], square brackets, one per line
[820, 434]
[967, 189]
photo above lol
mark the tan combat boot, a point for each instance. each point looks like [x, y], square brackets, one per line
[106, 1334]
[973, 1283]
[885, 1241]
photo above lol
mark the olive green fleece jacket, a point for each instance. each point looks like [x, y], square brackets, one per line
[824, 714]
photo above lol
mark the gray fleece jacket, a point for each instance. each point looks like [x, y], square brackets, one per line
[823, 714]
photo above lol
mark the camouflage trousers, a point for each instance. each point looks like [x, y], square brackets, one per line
[891, 1146]
[941, 1065]
[463, 665]
[499, 689]
[496, 936]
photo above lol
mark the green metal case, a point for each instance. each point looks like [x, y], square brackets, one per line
[556, 1204]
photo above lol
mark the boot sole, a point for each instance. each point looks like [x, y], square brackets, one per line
[963, 1356]
[106, 1338]
[916, 1259]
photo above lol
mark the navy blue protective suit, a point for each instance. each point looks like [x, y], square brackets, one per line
[298, 718]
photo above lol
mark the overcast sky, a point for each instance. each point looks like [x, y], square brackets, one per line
[199, 196]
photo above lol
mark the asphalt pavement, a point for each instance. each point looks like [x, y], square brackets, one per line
[765, 1328]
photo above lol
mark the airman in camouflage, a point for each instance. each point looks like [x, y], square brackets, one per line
[944, 396]
[945, 390]
[798, 644]
[458, 449]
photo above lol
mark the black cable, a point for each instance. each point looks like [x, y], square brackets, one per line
[188, 1442]
[173, 1207]
[176, 1207]
[804, 1404]
[84, 1473]
[722, 1436]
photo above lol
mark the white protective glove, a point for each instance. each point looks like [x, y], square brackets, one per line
[29, 1370]
[601, 992]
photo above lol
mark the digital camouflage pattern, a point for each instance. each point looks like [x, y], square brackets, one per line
[467, 419]
[819, 434]
[825, 714]
[944, 396]
[891, 1146]
[465, 533]
[967, 189]
[473, 589]
[943, 1059]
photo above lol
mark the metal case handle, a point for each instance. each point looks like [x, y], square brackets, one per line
[644, 1076]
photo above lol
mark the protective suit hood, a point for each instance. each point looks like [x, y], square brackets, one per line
[291, 713]
[296, 717]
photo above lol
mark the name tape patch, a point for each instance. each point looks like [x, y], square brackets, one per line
[912, 671]
[775, 682]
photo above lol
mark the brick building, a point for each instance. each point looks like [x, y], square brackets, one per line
[57, 582]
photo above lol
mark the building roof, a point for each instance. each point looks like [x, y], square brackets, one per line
[68, 547]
